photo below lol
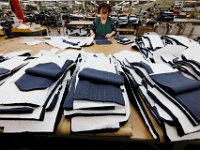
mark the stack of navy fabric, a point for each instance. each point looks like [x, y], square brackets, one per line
[30, 99]
[169, 94]
[97, 98]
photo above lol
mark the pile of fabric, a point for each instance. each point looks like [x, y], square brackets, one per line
[97, 97]
[165, 82]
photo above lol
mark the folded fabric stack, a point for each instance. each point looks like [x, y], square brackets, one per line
[97, 98]
[30, 99]
[170, 96]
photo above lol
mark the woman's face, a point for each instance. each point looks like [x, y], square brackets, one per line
[103, 13]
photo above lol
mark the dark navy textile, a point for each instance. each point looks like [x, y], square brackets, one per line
[20, 110]
[87, 90]
[48, 70]
[101, 76]
[103, 42]
[175, 82]
[29, 82]
[190, 100]
[41, 76]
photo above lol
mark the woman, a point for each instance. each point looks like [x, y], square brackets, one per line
[103, 25]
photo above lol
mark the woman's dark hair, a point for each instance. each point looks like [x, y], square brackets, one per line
[104, 6]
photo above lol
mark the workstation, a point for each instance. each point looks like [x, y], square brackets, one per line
[76, 81]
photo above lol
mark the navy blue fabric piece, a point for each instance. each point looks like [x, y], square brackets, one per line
[119, 38]
[87, 90]
[66, 65]
[190, 100]
[41, 76]
[71, 43]
[68, 103]
[29, 82]
[175, 82]
[103, 42]
[21, 110]
[48, 70]
[4, 70]
[101, 76]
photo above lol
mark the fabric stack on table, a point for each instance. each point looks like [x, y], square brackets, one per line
[97, 98]
[36, 93]
[151, 45]
[169, 94]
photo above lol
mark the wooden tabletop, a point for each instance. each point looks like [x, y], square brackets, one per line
[1, 32]
[138, 128]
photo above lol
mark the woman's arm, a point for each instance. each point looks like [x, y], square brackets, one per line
[110, 34]
[113, 31]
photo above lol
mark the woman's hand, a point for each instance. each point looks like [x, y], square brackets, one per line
[108, 36]
[92, 33]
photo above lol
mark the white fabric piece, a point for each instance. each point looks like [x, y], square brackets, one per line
[130, 56]
[13, 62]
[146, 43]
[30, 41]
[36, 97]
[161, 112]
[51, 53]
[15, 53]
[174, 50]
[69, 54]
[192, 53]
[90, 123]
[45, 126]
[168, 58]
[156, 41]
[161, 68]
[186, 41]
[58, 43]
[35, 42]
[81, 104]
[116, 110]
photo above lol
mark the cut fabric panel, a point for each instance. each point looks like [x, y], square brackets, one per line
[191, 101]
[87, 90]
[101, 76]
[48, 70]
[41, 76]
[175, 82]
[28, 82]
[103, 42]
